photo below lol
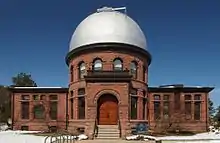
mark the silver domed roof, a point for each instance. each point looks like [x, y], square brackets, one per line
[108, 27]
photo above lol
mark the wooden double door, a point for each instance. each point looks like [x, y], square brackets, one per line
[107, 110]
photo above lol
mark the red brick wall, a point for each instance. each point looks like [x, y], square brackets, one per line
[178, 118]
[38, 124]
[120, 90]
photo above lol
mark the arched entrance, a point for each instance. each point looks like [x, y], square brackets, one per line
[107, 110]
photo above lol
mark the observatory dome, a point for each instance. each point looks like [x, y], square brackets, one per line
[108, 26]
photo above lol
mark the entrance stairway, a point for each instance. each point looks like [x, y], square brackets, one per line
[108, 132]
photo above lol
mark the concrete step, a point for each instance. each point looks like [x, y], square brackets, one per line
[107, 138]
[108, 130]
[108, 126]
[108, 135]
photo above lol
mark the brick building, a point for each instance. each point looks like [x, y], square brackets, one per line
[108, 85]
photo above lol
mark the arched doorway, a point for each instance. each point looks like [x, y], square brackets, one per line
[107, 111]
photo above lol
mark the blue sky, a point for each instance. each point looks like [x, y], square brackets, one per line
[183, 38]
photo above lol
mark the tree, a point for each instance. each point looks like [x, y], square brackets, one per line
[23, 79]
[5, 104]
[217, 116]
[211, 108]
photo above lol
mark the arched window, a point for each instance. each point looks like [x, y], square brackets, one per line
[71, 73]
[118, 65]
[97, 65]
[82, 70]
[133, 69]
[39, 112]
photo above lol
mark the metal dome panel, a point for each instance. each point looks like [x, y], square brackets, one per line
[108, 27]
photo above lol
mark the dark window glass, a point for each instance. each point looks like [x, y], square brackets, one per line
[144, 73]
[71, 108]
[71, 73]
[188, 97]
[188, 108]
[134, 91]
[197, 110]
[35, 97]
[133, 107]
[157, 110]
[53, 97]
[144, 108]
[133, 69]
[81, 92]
[166, 110]
[38, 111]
[25, 110]
[71, 93]
[81, 106]
[53, 110]
[197, 97]
[24, 128]
[118, 65]
[177, 101]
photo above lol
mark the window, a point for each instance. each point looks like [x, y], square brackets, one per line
[188, 109]
[81, 103]
[177, 101]
[157, 110]
[187, 97]
[166, 97]
[39, 112]
[25, 110]
[156, 97]
[71, 93]
[197, 110]
[97, 65]
[71, 73]
[81, 106]
[24, 128]
[53, 110]
[81, 92]
[118, 65]
[197, 97]
[144, 108]
[134, 107]
[166, 110]
[53, 97]
[188, 106]
[133, 92]
[35, 97]
[43, 97]
[71, 108]
[133, 69]
[144, 73]
[82, 70]
[25, 97]
[71, 104]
